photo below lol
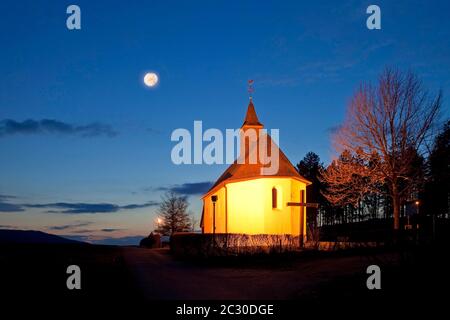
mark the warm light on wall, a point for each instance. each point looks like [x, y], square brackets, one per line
[247, 207]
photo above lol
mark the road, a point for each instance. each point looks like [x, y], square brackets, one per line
[160, 276]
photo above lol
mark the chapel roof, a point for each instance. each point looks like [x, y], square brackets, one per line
[247, 171]
[251, 119]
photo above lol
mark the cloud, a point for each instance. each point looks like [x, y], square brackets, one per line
[7, 226]
[5, 206]
[138, 206]
[69, 226]
[75, 208]
[188, 189]
[110, 229]
[6, 197]
[70, 208]
[10, 127]
[91, 208]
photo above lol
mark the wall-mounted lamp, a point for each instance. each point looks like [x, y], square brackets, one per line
[214, 200]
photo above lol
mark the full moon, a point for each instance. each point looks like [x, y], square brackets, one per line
[150, 79]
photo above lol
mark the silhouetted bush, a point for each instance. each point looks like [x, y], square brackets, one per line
[152, 241]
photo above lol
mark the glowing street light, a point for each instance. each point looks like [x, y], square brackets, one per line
[158, 221]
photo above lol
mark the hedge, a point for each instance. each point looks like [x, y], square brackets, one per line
[204, 245]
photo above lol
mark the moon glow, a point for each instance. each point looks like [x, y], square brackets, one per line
[151, 79]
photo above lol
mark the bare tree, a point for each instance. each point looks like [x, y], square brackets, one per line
[393, 120]
[193, 221]
[349, 179]
[173, 213]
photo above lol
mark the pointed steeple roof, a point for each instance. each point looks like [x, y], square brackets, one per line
[246, 171]
[251, 119]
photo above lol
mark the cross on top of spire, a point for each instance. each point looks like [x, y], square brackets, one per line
[250, 88]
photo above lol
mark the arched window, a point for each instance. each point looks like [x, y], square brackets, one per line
[274, 198]
[277, 198]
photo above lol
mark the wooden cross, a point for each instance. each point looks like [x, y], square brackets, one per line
[302, 204]
[299, 204]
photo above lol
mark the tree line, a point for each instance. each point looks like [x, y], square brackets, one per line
[393, 156]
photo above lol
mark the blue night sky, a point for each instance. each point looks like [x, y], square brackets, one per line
[85, 146]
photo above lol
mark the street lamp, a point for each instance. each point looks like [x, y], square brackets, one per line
[214, 200]
[158, 222]
[417, 203]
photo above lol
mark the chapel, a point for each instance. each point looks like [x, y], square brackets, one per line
[244, 200]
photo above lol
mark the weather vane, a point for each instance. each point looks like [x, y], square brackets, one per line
[250, 88]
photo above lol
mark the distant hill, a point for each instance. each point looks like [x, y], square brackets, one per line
[30, 237]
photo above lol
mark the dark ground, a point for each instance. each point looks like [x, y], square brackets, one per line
[124, 277]
[36, 273]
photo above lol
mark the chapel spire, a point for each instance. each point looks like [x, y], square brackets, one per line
[251, 119]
